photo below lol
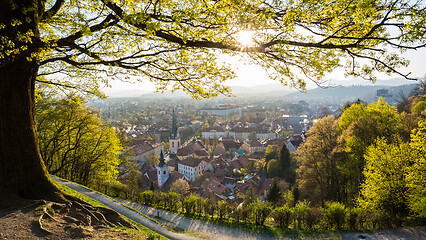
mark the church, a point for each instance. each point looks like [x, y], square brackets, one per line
[164, 178]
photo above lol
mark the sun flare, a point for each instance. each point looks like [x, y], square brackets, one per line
[245, 38]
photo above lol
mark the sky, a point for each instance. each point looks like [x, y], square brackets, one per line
[252, 76]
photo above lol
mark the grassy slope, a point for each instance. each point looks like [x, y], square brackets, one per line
[143, 231]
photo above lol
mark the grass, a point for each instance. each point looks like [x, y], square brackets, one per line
[267, 229]
[142, 230]
[74, 193]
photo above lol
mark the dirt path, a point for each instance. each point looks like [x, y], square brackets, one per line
[125, 211]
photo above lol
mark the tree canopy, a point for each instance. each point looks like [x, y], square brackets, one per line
[319, 158]
[176, 43]
[179, 44]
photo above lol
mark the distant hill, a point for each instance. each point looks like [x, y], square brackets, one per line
[347, 90]
[336, 94]
[349, 93]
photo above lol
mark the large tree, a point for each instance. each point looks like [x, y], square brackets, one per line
[360, 126]
[176, 44]
[320, 160]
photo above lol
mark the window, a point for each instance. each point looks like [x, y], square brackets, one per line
[164, 171]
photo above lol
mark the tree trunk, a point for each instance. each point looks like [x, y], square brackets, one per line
[22, 171]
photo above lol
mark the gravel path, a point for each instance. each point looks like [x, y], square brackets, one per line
[125, 211]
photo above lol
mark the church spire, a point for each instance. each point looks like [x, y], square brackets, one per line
[173, 132]
[161, 163]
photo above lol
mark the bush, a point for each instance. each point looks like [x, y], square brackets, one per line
[300, 214]
[147, 198]
[352, 216]
[222, 209]
[261, 211]
[173, 201]
[313, 217]
[282, 216]
[335, 213]
[189, 204]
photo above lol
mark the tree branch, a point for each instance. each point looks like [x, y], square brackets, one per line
[53, 10]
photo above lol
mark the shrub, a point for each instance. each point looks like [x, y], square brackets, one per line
[335, 213]
[313, 217]
[147, 198]
[352, 216]
[261, 211]
[190, 203]
[222, 209]
[300, 212]
[282, 216]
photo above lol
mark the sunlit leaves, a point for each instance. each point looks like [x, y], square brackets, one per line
[74, 143]
[294, 41]
[416, 179]
[385, 184]
[394, 176]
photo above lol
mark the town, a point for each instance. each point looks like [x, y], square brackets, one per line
[218, 150]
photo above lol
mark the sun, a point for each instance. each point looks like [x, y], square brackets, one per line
[245, 38]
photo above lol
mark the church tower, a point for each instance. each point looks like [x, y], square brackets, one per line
[162, 171]
[174, 140]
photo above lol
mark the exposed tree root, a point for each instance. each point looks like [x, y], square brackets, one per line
[74, 211]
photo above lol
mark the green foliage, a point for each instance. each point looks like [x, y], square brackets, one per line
[273, 169]
[222, 209]
[189, 204]
[385, 173]
[274, 193]
[261, 211]
[301, 214]
[180, 186]
[352, 217]
[335, 213]
[176, 43]
[415, 177]
[282, 216]
[250, 196]
[419, 105]
[287, 172]
[270, 153]
[74, 142]
[320, 160]
[147, 198]
[152, 159]
[360, 126]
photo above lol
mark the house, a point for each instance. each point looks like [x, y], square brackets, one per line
[143, 148]
[252, 145]
[193, 149]
[216, 187]
[215, 132]
[264, 188]
[191, 166]
[229, 143]
[229, 182]
[219, 149]
[173, 177]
